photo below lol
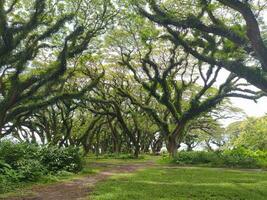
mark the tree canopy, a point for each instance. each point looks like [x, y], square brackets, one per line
[129, 76]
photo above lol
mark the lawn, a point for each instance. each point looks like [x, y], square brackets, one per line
[185, 183]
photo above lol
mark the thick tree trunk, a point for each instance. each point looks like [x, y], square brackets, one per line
[172, 146]
[174, 140]
[136, 150]
[115, 147]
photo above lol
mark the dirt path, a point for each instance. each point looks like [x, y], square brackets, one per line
[79, 188]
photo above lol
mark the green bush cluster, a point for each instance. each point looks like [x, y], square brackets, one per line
[61, 159]
[24, 162]
[239, 157]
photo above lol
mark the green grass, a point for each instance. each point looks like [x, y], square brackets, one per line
[186, 183]
[166, 182]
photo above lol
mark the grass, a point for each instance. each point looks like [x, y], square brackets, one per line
[185, 183]
[166, 182]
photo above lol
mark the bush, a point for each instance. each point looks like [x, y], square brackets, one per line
[24, 162]
[239, 157]
[8, 173]
[8, 177]
[5, 183]
[11, 153]
[196, 157]
[3, 167]
[58, 159]
[30, 170]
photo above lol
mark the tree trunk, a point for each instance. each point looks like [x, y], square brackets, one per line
[175, 139]
[116, 147]
[97, 145]
[172, 146]
[136, 150]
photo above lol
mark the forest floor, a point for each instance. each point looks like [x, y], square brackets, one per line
[149, 180]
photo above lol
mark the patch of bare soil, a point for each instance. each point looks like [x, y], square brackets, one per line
[78, 188]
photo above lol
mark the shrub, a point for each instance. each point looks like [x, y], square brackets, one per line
[30, 170]
[8, 173]
[24, 162]
[5, 183]
[3, 167]
[58, 159]
[239, 157]
[8, 177]
[11, 153]
[196, 157]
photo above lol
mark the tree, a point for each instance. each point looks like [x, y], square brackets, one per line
[207, 130]
[250, 133]
[136, 129]
[185, 87]
[37, 49]
[223, 33]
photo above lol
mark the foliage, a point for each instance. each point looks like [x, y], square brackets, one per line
[239, 157]
[30, 170]
[57, 159]
[11, 153]
[153, 88]
[24, 162]
[196, 157]
[124, 78]
[39, 49]
[200, 27]
[183, 88]
[250, 133]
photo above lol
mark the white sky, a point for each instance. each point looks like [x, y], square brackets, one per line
[250, 107]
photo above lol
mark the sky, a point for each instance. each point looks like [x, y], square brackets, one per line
[250, 107]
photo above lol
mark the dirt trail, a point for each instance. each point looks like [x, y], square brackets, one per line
[79, 188]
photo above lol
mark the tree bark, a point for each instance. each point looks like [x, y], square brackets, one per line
[136, 150]
[172, 146]
[175, 140]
